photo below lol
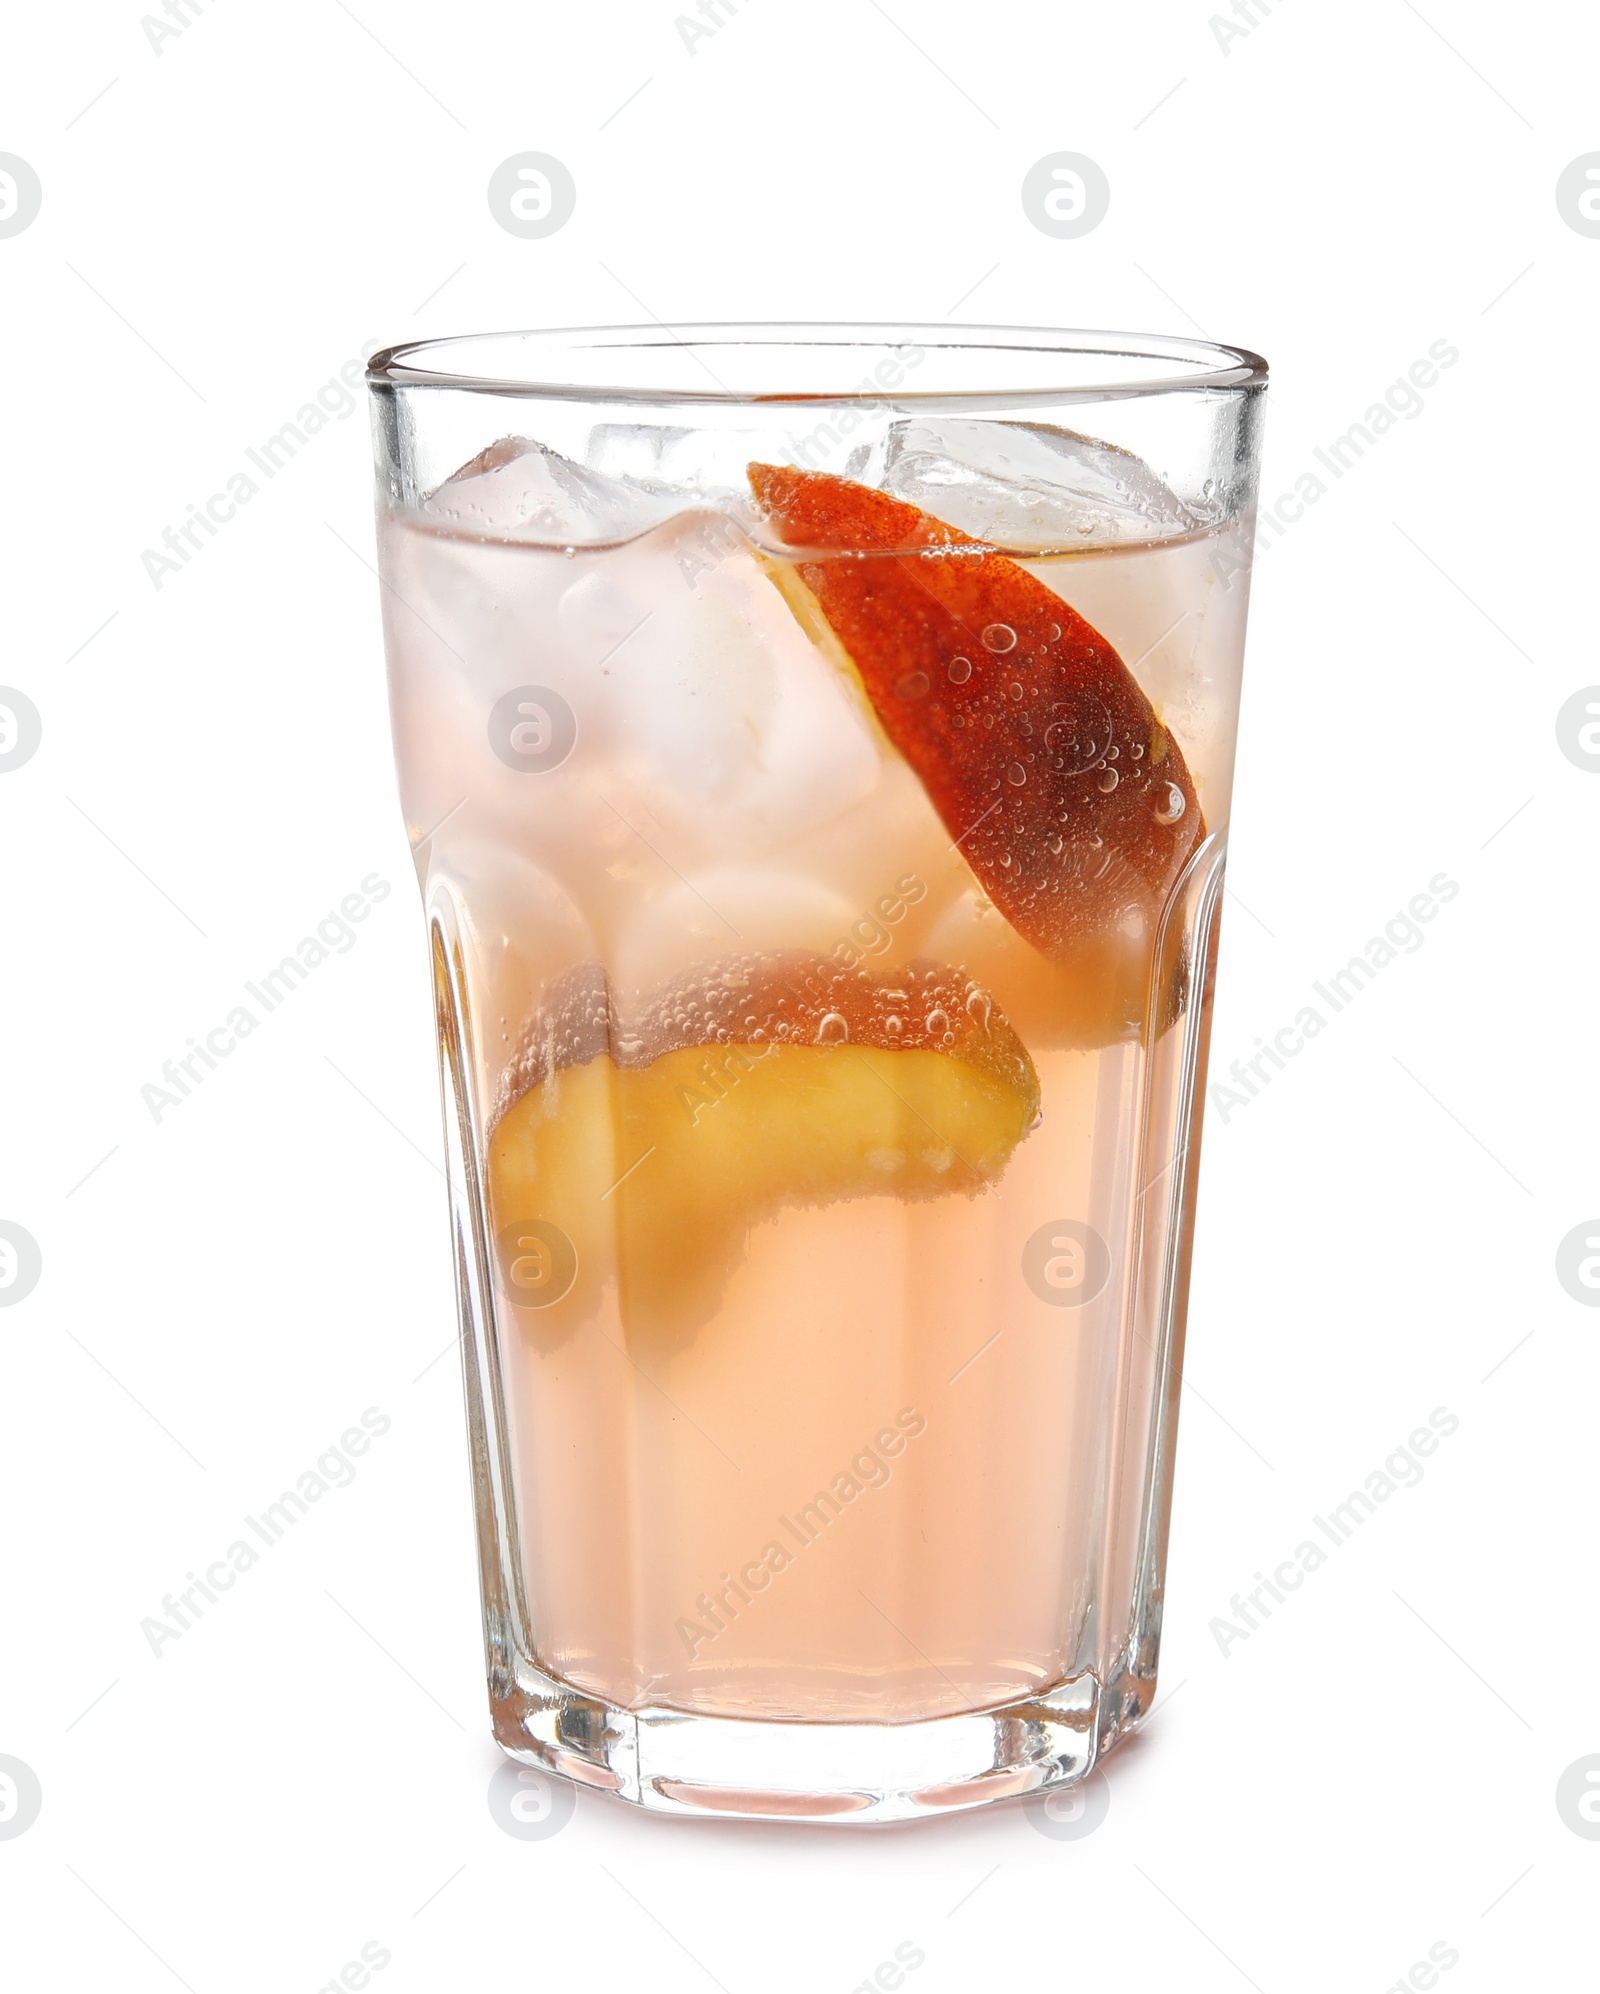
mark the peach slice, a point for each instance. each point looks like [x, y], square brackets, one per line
[1036, 745]
[643, 1148]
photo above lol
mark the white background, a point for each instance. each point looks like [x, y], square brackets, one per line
[228, 220]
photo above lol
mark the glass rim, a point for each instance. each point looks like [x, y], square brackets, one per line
[1175, 364]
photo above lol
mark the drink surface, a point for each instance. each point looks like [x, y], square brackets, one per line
[817, 1149]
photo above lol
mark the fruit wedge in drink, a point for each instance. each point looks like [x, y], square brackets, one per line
[1039, 749]
[652, 1137]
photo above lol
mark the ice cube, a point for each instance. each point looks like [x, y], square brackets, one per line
[1029, 486]
[705, 701]
[664, 458]
[700, 466]
[518, 489]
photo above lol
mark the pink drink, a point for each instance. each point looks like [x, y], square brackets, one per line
[816, 749]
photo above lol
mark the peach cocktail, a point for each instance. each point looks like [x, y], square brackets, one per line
[818, 782]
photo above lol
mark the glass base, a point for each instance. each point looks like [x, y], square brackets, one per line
[754, 1769]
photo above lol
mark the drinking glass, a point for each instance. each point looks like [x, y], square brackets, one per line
[815, 743]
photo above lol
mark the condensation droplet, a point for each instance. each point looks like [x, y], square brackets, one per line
[1000, 637]
[892, 1025]
[833, 1029]
[978, 1006]
[1106, 781]
[1055, 632]
[960, 670]
[1017, 774]
[913, 685]
[1137, 751]
[938, 1022]
[1014, 689]
[1172, 805]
